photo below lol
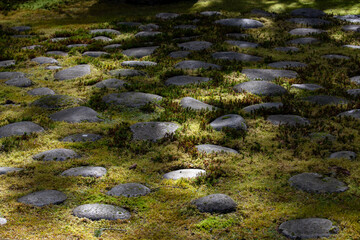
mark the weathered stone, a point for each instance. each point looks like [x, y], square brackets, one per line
[210, 148]
[76, 115]
[263, 106]
[194, 64]
[167, 16]
[58, 39]
[179, 54]
[195, 45]
[126, 73]
[290, 120]
[21, 28]
[236, 56]
[85, 172]
[59, 154]
[240, 22]
[210, 13]
[3, 221]
[185, 27]
[54, 101]
[229, 121]
[305, 31]
[110, 83]
[41, 92]
[78, 45]
[349, 18]
[260, 88]
[95, 53]
[101, 211]
[261, 13]
[19, 128]
[43, 198]
[57, 53]
[242, 44]
[152, 131]
[335, 56]
[287, 64]
[138, 63]
[19, 82]
[184, 173]
[287, 49]
[193, 104]
[344, 154]
[52, 68]
[131, 99]
[82, 137]
[147, 34]
[10, 75]
[303, 41]
[139, 52]
[112, 46]
[129, 190]
[321, 136]
[325, 100]
[352, 46]
[215, 203]
[355, 80]
[32, 47]
[268, 74]
[307, 86]
[310, 21]
[101, 31]
[102, 38]
[353, 92]
[308, 12]
[355, 113]
[5, 170]
[73, 72]
[350, 28]
[129, 24]
[185, 80]
[45, 60]
[237, 35]
[149, 27]
[7, 63]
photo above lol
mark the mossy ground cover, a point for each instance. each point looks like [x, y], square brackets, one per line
[256, 178]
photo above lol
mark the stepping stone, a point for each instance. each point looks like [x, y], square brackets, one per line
[149, 27]
[287, 64]
[355, 80]
[98, 211]
[3, 221]
[242, 44]
[290, 120]
[352, 46]
[10, 75]
[41, 92]
[5, 170]
[167, 16]
[55, 101]
[57, 53]
[129, 24]
[215, 203]
[19, 128]
[185, 80]
[152, 131]
[95, 53]
[139, 52]
[21, 28]
[111, 46]
[59, 154]
[268, 74]
[52, 68]
[184, 39]
[355, 113]
[45, 60]
[240, 22]
[349, 18]
[237, 35]
[102, 38]
[185, 27]
[316, 183]
[179, 54]
[321, 136]
[73, 72]
[261, 13]
[129, 190]
[210, 13]
[32, 47]
[184, 173]
[263, 106]
[58, 39]
[82, 137]
[325, 100]
[236, 56]
[43, 198]
[77, 45]
[193, 104]
[287, 49]
[335, 56]
[138, 63]
[308, 228]
[126, 73]
[194, 64]
[195, 45]
[85, 172]
[307, 86]
[19, 82]
[111, 83]
[229, 121]
[76, 115]
[109, 31]
[353, 92]
[343, 154]
[131, 99]
[262, 88]
[7, 63]
[314, 22]
[303, 41]
[307, 12]
[210, 148]
[350, 28]
[305, 31]
[147, 34]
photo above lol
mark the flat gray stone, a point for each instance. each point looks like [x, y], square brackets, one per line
[167, 16]
[184, 173]
[215, 203]
[287, 64]
[325, 100]
[355, 113]
[54, 101]
[316, 183]
[110, 83]
[268, 74]
[138, 63]
[149, 27]
[32, 47]
[352, 46]
[3, 221]
[21, 28]
[5, 170]
[308, 228]
[144, 34]
[82, 137]
[126, 73]
[57, 53]
[85, 172]
[109, 31]
[52, 68]
[263, 106]
[287, 49]
[210, 13]
[305, 31]
[314, 22]
[41, 92]
[307, 86]
[242, 44]
[236, 57]
[237, 35]
[98, 211]
[76, 115]
[131, 99]
[7, 63]
[263, 88]
[185, 80]
[229, 121]
[240, 22]
[58, 39]
[355, 80]
[194, 64]
[303, 41]
[129, 24]
[353, 92]
[193, 104]
[290, 120]
[140, 52]
[195, 45]
[43, 198]
[102, 38]
[185, 27]
[19, 82]
[307, 12]
[210, 148]
[179, 54]
[335, 56]
[19, 128]
[152, 131]
[10, 75]
[73, 72]
[45, 60]
[343, 154]
[112, 46]
[350, 28]
[349, 18]
[95, 53]
[129, 190]
[78, 45]
[59, 154]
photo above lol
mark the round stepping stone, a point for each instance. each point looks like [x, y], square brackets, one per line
[287, 64]
[7, 63]
[355, 80]
[138, 63]
[355, 113]
[349, 18]
[43, 198]
[308, 228]
[309, 21]
[184, 173]
[194, 64]
[82, 137]
[268, 74]
[102, 38]
[126, 73]
[240, 22]
[195, 45]
[263, 88]
[215, 203]
[131, 99]
[303, 41]
[210, 13]
[149, 27]
[185, 27]
[308, 12]
[57, 53]
[41, 92]
[353, 92]
[147, 34]
[325, 100]
[287, 49]
[335, 56]
[242, 44]
[19, 82]
[73, 72]
[166, 16]
[109, 31]
[263, 106]
[321, 136]
[21, 28]
[229, 121]
[290, 120]
[19, 128]
[95, 53]
[210, 148]
[10, 75]
[52, 68]
[59, 154]
[316, 183]
[193, 104]
[352, 46]
[54, 101]
[44, 60]
[101, 211]
[235, 56]
[85, 172]
[110, 83]
[179, 54]
[76, 115]
[261, 13]
[344, 154]
[237, 35]
[139, 52]
[305, 31]
[185, 80]
[3, 221]
[111, 46]
[307, 86]
[77, 45]
[350, 28]
[129, 24]
[32, 47]
[5, 170]
[129, 190]
[58, 39]
[152, 131]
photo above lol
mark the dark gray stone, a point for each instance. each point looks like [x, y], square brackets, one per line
[59, 154]
[309, 21]
[260, 88]
[95, 53]
[57, 53]
[307, 86]
[237, 35]
[287, 64]
[179, 54]
[55, 101]
[355, 113]
[261, 13]
[194, 64]
[78, 45]
[126, 73]
[102, 38]
[98, 211]
[290, 120]
[152, 131]
[305, 31]
[325, 100]
[303, 41]
[32, 47]
[355, 80]
[10, 75]
[73, 72]
[287, 49]
[112, 46]
[138, 63]
[263, 106]
[129, 24]
[109, 31]
[242, 44]
[110, 83]
[149, 27]
[19, 82]
[240, 22]
[82, 137]
[139, 52]
[5, 170]
[230, 121]
[308, 12]
[76, 115]
[129, 190]
[193, 104]
[353, 92]
[268, 74]
[349, 18]
[45, 60]
[43, 198]
[215, 203]
[210, 148]
[185, 27]
[335, 56]
[167, 16]
[344, 154]
[7, 63]
[21, 28]
[195, 45]
[19, 128]
[185, 80]
[131, 99]
[184, 173]
[85, 172]
[210, 13]
[236, 56]
[147, 34]
[41, 92]
[350, 28]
